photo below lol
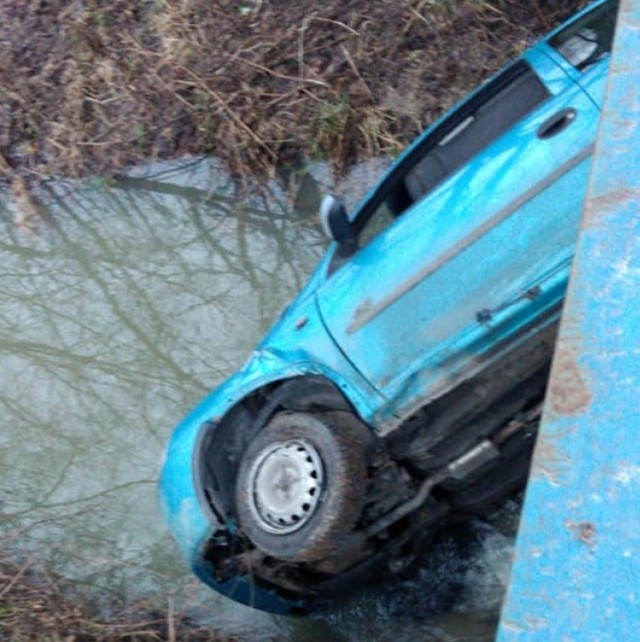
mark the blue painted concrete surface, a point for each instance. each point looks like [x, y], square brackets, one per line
[576, 573]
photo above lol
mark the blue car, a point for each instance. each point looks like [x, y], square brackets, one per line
[403, 386]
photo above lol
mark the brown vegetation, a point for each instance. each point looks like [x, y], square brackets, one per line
[91, 87]
[35, 609]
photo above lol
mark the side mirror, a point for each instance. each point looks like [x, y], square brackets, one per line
[336, 224]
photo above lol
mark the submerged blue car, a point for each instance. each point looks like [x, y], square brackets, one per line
[404, 384]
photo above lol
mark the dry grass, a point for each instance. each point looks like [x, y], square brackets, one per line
[91, 87]
[41, 608]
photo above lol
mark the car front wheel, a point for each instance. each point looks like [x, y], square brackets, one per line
[302, 483]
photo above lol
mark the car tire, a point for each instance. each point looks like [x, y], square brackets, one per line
[301, 484]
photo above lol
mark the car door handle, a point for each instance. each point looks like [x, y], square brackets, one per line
[554, 125]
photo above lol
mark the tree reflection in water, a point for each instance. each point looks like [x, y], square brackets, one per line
[138, 300]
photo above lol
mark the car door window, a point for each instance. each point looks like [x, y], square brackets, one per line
[588, 39]
[490, 118]
[494, 109]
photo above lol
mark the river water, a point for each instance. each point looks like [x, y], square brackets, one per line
[119, 310]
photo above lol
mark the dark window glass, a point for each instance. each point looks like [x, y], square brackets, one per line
[588, 39]
[497, 107]
[488, 120]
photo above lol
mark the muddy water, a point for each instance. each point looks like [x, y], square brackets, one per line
[120, 307]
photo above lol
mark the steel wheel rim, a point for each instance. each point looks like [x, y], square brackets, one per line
[285, 483]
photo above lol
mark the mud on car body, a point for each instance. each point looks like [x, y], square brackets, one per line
[404, 385]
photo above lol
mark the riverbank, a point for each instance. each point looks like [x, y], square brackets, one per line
[40, 607]
[90, 88]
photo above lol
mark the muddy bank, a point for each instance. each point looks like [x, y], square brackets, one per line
[92, 86]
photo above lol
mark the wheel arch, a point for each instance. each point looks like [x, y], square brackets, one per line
[223, 439]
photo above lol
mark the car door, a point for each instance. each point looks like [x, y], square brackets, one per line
[475, 259]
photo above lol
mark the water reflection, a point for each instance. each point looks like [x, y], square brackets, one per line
[114, 321]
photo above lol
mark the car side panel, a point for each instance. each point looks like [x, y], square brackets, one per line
[418, 295]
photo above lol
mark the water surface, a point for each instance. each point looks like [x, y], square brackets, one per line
[116, 317]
